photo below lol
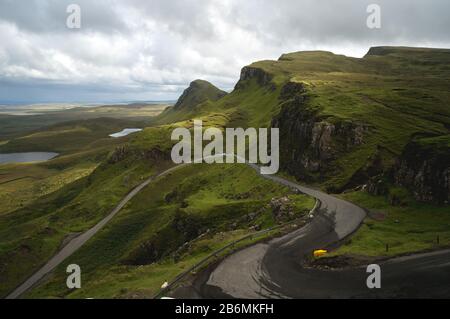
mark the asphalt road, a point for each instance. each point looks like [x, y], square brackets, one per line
[80, 240]
[276, 269]
[417, 276]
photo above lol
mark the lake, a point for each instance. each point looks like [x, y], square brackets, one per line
[126, 132]
[26, 157]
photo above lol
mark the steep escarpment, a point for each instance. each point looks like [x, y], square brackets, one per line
[424, 169]
[311, 141]
[193, 102]
[249, 73]
[345, 122]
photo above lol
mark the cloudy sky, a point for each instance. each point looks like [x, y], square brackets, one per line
[151, 49]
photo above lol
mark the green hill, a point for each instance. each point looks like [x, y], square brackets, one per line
[195, 98]
[198, 92]
[70, 136]
[379, 124]
[375, 128]
[343, 121]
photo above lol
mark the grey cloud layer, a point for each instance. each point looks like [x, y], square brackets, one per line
[154, 48]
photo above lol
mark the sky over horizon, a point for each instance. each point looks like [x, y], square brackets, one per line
[151, 50]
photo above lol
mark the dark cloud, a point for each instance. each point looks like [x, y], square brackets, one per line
[40, 16]
[155, 48]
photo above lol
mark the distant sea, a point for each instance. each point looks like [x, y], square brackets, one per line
[39, 108]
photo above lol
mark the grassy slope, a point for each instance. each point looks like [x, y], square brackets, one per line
[409, 228]
[253, 106]
[32, 234]
[397, 92]
[70, 137]
[15, 126]
[198, 92]
[21, 184]
[411, 91]
[196, 97]
[210, 198]
[159, 138]
[82, 146]
[42, 203]
[397, 95]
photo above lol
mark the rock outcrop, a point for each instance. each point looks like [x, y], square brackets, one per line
[310, 142]
[282, 209]
[262, 77]
[424, 169]
[125, 152]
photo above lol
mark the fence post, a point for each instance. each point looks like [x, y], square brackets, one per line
[387, 247]
[437, 239]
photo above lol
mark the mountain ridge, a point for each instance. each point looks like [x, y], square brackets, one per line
[374, 129]
[337, 106]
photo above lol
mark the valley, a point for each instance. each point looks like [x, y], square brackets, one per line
[370, 132]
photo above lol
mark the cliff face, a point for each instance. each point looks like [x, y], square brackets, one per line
[345, 122]
[311, 145]
[425, 171]
[310, 142]
[247, 73]
[349, 125]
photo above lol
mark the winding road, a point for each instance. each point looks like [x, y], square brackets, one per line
[80, 240]
[275, 270]
[268, 270]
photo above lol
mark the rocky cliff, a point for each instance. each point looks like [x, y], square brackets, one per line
[309, 141]
[311, 146]
[344, 122]
[424, 169]
[262, 77]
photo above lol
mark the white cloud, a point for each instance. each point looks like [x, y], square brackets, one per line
[155, 48]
